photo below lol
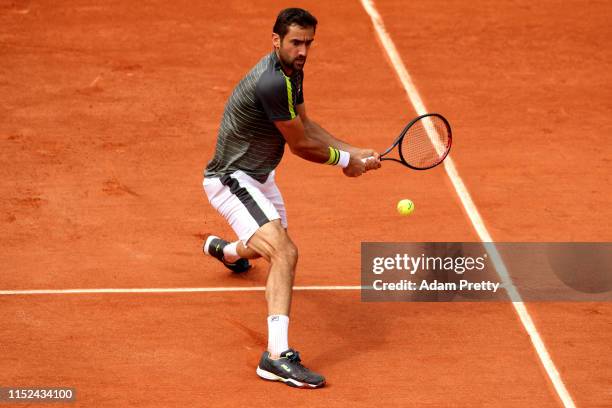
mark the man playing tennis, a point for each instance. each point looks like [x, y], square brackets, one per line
[265, 111]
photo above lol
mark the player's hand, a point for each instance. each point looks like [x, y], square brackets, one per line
[371, 158]
[355, 168]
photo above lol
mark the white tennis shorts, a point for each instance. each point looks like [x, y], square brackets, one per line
[246, 203]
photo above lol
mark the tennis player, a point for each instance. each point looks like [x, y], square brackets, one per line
[265, 111]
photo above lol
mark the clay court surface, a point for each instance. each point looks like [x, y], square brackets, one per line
[108, 115]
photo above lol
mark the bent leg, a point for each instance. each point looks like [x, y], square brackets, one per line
[243, 202]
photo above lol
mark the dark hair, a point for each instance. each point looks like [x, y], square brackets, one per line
[290, 16]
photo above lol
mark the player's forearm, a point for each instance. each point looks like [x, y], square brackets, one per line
[315, 131]
[311, 149]
[320, 150]
[313, 146]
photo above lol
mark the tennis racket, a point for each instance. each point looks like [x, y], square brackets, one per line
[423, 143]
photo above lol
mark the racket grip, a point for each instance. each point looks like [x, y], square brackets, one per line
[365, 159]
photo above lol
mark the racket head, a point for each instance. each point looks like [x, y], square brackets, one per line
[424, 143]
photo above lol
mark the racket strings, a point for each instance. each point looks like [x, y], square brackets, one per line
[426, 142]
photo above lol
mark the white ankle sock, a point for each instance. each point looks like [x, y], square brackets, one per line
[230, 252]
[278, 327]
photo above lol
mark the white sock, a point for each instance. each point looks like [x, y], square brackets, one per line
[230, 252]
[278, 327]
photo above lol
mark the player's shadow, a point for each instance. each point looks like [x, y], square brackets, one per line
[341, 324]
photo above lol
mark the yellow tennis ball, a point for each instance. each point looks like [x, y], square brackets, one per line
[405, 207]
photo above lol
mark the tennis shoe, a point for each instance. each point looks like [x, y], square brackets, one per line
[214, 245]
[288, 369]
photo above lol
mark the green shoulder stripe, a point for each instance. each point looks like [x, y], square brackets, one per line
[290, 97]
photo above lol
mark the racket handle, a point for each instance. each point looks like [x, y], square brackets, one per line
[365, 159]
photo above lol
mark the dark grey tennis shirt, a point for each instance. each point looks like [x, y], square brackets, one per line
[248, 140]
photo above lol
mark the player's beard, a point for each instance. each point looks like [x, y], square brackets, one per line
[296, 64]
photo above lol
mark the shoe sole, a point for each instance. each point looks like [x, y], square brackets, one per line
[207, 243]
[266, 375]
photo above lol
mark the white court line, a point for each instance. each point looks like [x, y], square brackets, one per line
[163, 290]
[472, 211]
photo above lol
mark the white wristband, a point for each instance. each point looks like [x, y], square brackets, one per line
[338, 157]
[345, 157]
